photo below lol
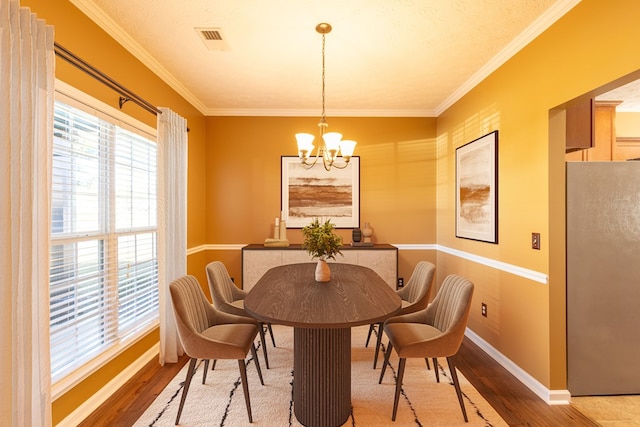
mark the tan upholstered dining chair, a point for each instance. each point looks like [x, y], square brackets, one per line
[207, 333]
[436, 331]
[227, 297]
[414, 295]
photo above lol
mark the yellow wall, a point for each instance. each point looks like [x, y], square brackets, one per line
[526, 319]
[407, 172]
[397, 173]
[627, 124]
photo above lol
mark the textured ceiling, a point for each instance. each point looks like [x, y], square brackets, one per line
[628, 94]
[383, 57]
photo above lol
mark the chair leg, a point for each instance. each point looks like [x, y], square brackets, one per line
[456, 384]
[435, 369]
[204, 371]
[378, 342]
[213, 365]
[387, 355]
[185, 388]
[401, 365]
[273, 340]
[264, 344]
[426, 360]
[245, 387]
[371, 327]
[254, 353]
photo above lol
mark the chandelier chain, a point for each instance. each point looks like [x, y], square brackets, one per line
[323, 114]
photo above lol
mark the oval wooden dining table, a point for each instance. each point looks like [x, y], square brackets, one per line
[322, 315]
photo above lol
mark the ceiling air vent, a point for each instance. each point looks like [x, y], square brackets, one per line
[212, 38]
[211, 34]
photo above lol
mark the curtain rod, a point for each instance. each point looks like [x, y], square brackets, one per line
[125, 94]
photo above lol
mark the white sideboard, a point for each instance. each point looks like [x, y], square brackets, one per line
[257, 259]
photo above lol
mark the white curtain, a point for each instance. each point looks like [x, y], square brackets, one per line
[26, 137]
[172, 223]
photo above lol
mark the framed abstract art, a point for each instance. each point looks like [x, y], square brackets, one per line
[477, 189]
[316, 193]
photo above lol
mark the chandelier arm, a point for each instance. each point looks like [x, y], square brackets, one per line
[315, 160]
[335, 165]
[327, 162]
[308, 165]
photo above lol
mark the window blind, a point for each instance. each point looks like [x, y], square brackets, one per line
[104, 273]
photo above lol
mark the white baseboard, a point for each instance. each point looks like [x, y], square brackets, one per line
[551, 397]
[93, 402]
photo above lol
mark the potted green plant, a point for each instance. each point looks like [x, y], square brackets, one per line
[321, 242]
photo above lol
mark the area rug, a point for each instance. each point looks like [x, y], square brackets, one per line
[220, 402]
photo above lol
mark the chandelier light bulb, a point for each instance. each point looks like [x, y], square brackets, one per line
[332, 143]
[347, 147]
[305, 145]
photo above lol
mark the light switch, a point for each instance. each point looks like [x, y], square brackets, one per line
[535, 241]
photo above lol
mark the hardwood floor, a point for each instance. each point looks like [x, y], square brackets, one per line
[517, 405]
[131, 400]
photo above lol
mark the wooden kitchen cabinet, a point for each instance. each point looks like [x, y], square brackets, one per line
[579, 125]
[607, 146]
[604, 131]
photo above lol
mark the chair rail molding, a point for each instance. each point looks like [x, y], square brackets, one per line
[216, 247]
[498, 265]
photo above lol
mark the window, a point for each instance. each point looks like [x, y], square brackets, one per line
[104, 266]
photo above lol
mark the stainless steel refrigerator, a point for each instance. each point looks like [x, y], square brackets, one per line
[603, 278]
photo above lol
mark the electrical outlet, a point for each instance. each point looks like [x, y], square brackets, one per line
[483, 309]
[535, 241]
[400, 282]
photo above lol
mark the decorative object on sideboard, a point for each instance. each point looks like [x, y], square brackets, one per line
[367, 232]
[357, 238]
[356, 235]
[331, 144]
[279, 238]
[283, 230]
[321, 242]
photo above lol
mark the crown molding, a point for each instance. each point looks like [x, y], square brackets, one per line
[316, 113]
[98, 16]
[550, 16]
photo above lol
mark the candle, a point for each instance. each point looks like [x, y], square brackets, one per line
[277, 222]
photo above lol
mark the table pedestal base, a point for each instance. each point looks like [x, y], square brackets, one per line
[322, 376]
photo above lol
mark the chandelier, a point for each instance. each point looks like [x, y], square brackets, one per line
[331, 145]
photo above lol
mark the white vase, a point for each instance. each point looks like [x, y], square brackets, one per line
[323, 274]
